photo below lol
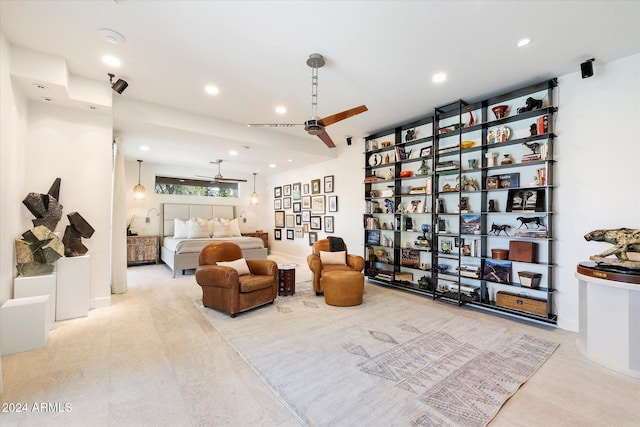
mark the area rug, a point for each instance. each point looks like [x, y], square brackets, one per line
[395, 360]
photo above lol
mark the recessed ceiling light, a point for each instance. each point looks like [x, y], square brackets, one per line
[439, 77]
[211, 90]
[280, 109]
[524, 42]
[272, 165]
[144, 148]
[233, 153]
[40, 86]
[112, 61]
[46, 98]
[289, 160]
[92, 107]
[111, 36]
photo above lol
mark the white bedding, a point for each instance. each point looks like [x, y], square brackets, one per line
[183, 246]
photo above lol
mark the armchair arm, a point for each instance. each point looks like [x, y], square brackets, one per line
[355, 261]
[263, 267]
[217, 276]
[314, 263]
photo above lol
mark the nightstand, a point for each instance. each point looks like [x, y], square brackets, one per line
[261, 234]
[142, 250]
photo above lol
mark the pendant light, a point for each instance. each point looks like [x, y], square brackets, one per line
[254, 196]
[138, 190]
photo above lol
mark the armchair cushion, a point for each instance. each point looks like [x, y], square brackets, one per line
[333, 257]
[240, 265]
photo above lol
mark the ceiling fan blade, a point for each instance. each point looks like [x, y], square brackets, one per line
[274, 125]
[324, 136]
[230, 180]
[205, 176]
[329, 120]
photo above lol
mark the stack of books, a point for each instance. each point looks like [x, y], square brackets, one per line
[530, 157]
[384, 275]
[467, 270]
[449, 165]
[536, 234]
[371, 179]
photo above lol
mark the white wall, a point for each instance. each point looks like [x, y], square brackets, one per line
[597, 175]
[148, 172]
[74, 145]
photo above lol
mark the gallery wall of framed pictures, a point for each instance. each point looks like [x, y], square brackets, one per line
[302, 209]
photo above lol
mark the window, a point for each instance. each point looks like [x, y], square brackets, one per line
[195, 187]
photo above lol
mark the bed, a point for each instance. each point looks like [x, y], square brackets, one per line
[181, 253]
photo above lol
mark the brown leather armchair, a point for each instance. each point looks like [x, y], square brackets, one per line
[353, 262]
[224, 289]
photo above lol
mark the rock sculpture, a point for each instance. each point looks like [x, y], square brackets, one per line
[73, 234]
[36, 252]
[45, 207]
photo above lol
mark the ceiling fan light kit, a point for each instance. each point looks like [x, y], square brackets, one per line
[219, 177]
[315, 126]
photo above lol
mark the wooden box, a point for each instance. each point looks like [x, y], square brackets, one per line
[522, 251]
[529, 279]
[404, 277]
[521, 303]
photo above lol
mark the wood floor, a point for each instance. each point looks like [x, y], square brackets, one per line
[151, 359]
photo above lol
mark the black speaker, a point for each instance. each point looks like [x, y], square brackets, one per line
[587, 68]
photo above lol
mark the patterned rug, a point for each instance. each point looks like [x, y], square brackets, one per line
[394, 360]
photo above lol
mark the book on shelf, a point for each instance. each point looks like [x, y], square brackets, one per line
[372, 178]
[497, 271]
[448, 165]
[468, 270]
[541, 176]
[531, 157]
[449, 149]
[410, 258]
[536, 234]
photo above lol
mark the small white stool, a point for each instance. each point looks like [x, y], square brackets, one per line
[23, 324]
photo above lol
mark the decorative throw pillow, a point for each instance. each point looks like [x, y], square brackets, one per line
[221, 227]
[234, 228]
[197, 229]
[339, 258]
[180, 229]
[240, 265]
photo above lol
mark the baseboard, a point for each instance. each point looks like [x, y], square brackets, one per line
[100, 302]
[571, 325]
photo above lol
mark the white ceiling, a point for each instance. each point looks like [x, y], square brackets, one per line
[378, 53]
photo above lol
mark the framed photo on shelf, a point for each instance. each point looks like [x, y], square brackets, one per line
[296, 191]
[286, 190]
[306, 216]
[313, 237]
[277, 204]
[316, 223]
[315, 186]
[297, 207]
[328, 224]
[373, 237]
[497, 271]
[328, 184]
[289, 221]
[425, 152]
[306, 202]
[277, 234]
[286, 203]
[279, 215]
[317, 204]
[277, 192]
[305, 189]
[525, 200]
[289, 234]
[333, 203]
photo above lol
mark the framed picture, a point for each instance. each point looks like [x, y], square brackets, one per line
[305, 189]
[306, 202]
[425, 152]
[328, 224]
[306, 216]
[315, 186]
[305, 228]
[317, 204]
[286, 190]
[279, 219]
[277, 234]
[289, 221]
[298, 219]
[313, 237]
[316, 223]
[277, 204]
[333, 203]
[286, 203]
[299, 232]
[328, 184]
[296, 191]
[289, 234]
[297, 207]
[497, 271]
[277, 192]
[525, 200]
[373, 237]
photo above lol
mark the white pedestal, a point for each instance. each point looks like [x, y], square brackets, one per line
[73, 280]
[23, 324]
[34, 286]
[610, 323]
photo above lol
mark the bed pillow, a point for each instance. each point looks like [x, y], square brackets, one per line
[180, 229]
[240, 265]
[197, 229]
[338, 258]
[221, 227]
[234, 228]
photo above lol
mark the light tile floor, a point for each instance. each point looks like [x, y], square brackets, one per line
[151, 359]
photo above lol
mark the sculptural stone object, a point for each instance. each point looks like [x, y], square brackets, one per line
[624, 240]
[45, 207]
[37, 251]
[73, 234]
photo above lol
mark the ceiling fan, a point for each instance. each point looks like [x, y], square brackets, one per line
[219, 177]
[315, 125]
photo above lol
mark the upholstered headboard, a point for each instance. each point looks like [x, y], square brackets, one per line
[171, 211]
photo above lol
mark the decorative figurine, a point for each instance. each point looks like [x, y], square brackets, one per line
[471, 119]
[425, 230]
[507, 160]
[535, 220]
[491, 159]
[530, 104]
[411, 135]
[623, 240]
[464, 205]
[445, 246]
[472, 163]
[492, 205]
[533, 146]
[423, 170]
[497, 229]
[533, 129]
